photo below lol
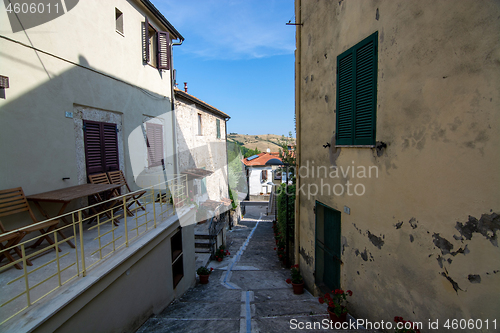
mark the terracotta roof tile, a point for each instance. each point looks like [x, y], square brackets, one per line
[261, 160]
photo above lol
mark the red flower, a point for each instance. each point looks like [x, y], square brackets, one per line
[211, 269]
[220, 259]
[288, 281]
[274, 249]
[228, 254]
[349, 292]
[321, 300]
[281, 256]
[331, 304]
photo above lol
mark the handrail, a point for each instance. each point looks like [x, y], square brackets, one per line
[111, 231]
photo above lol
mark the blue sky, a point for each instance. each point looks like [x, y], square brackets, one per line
[238, 56]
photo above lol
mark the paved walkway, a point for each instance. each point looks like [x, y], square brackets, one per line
[247, 291]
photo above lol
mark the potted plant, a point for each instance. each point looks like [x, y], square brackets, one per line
[297, 281]
[336, 308]
[221, 253]
[407, 326]
[204, 273]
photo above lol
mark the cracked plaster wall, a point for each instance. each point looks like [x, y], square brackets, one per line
[421, 241]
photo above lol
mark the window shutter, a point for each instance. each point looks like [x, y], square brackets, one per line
[218, 128]
[110, 147]
[93, 147]
[145, 41]
[344, 99]
[163, 50]
[154, 134]
[366, 92]
[357, 93]
[101, 147]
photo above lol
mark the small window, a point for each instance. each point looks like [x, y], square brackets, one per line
[218, 128]
[119, 20]
[357, 94]
[199, 124]
[156, 47]
[264, 175]
[152, 46]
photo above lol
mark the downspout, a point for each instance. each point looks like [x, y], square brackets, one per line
[174, 118]
[298, 54]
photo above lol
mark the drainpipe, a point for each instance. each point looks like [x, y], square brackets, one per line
[298, 54]
[174, 119]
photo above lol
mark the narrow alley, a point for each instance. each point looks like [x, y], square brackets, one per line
[247, 291]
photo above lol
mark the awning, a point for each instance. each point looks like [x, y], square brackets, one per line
[196, 173]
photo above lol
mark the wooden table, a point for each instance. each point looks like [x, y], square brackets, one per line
[65, 196]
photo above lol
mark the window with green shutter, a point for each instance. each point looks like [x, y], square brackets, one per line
[357, 94]
[218, 128]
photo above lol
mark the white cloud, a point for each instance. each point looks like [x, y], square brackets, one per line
[232, 29]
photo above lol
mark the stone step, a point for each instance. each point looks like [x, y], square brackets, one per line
[201, 250]
[201, 236]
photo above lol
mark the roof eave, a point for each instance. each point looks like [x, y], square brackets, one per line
[200, 102]
[162, 19]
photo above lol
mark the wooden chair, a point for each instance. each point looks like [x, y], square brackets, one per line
[11, 239]
[102, 178]
[117, 177]
[13, 201]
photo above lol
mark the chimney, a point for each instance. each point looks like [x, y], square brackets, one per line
[185, 87]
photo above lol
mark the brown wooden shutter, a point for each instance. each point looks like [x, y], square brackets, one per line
[163, 50]
[154, 133]
[93, 148]
[145, 41]
[110, 147]
[101, 147]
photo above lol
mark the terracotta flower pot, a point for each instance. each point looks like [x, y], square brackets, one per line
[298, 288]
[335, 319]
[203, 279]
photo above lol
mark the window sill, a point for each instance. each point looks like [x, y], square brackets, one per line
[354, 146]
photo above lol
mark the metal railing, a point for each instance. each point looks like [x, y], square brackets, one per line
[89, 239]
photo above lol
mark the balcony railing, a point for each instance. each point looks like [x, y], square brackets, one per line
[95, 237]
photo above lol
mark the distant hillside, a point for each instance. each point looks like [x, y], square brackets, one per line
[262, 142]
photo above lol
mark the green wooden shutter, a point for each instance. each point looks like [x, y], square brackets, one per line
[357, 93]
[218, 128]
[344, 99]
[366, 91]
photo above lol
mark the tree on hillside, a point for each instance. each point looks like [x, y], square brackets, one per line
[251, 152]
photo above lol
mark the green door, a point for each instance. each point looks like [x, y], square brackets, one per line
[328, 247]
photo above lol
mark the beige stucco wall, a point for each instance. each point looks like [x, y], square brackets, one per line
[40, 145]
[403, 247]
[202, 151]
